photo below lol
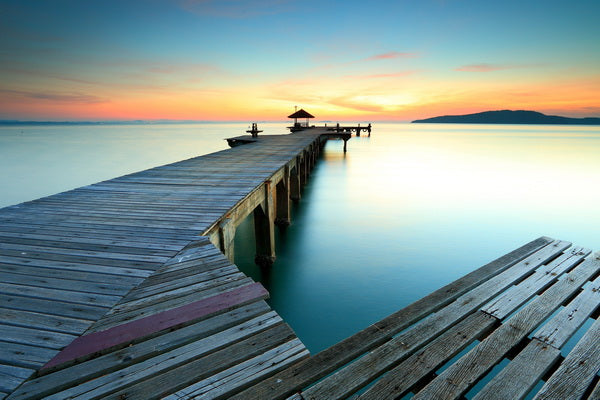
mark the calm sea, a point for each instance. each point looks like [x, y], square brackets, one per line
[402, 213]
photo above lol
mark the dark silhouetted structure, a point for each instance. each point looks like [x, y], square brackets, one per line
[298, 125]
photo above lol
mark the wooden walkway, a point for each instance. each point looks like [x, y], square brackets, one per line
[512, 317]
[121, 289]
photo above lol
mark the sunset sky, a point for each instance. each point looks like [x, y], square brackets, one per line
[257, 59]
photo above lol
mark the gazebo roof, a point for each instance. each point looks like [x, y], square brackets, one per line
[301, 114]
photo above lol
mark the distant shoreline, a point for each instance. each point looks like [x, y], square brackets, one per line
[509, 117]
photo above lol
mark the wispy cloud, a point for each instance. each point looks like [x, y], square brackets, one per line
[56, 97]
[383, 76]
[237, 8]
[484, 67]
[181, 68]
[390, 55]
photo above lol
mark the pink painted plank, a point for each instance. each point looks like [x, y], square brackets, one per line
[127, 332]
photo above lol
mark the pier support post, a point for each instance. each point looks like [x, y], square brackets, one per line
[302, 170]
[282, 200]
[345, 141]
[358, 130]
[264, 230]
[226, 238]
[295, 183]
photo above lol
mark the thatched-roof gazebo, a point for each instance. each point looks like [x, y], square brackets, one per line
[300, 114]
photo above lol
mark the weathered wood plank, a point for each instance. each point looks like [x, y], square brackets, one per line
[175, 368]
[88, 276]
[296, 396]
[81, 267]
[25, 356]
[11, 377]
[25, 249]
[239, 377]
[51, 307]
[198, 280]
[595, 395]
[577, 371]
[48, 322]
[455, 381]
[560, 328]
[96, 342]
[92, 230]
[174, 298]
[97, 239]
[115, 288]
[402, 378]
[59, 295]
[111, 247]
[35, 337]
[13, 256]
[530, 365]
[229, 328]
[295, 378]
[520, 376]
[505, 303]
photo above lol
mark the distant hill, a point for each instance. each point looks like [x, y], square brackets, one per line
[509, 117]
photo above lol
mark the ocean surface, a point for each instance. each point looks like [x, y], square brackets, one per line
[401, 214]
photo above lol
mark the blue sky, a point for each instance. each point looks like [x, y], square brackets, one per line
[237, 59]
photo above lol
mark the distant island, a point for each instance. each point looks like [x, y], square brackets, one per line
[509, 117]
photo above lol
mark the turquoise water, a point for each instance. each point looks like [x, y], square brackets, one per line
[401, 214]
[415, 207]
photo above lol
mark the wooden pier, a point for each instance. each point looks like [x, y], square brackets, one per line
[126, 289]
[350, 129]
[325, 133]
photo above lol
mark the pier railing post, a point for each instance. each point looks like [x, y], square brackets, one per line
[282, 200]
[264, 229]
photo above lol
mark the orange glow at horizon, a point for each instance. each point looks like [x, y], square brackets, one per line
[377, 99]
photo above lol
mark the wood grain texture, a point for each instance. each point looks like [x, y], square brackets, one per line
[216, 331]
[522, 373]
[560, 328]
[517, 295]
[169, 371]
[459, 377]
[401, 379]
[576, 372]
[100, 341]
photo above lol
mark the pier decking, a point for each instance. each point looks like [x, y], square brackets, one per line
[126, 289]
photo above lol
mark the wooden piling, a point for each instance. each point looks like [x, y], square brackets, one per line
[264, 229]
[282, 200]
[295, 183]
